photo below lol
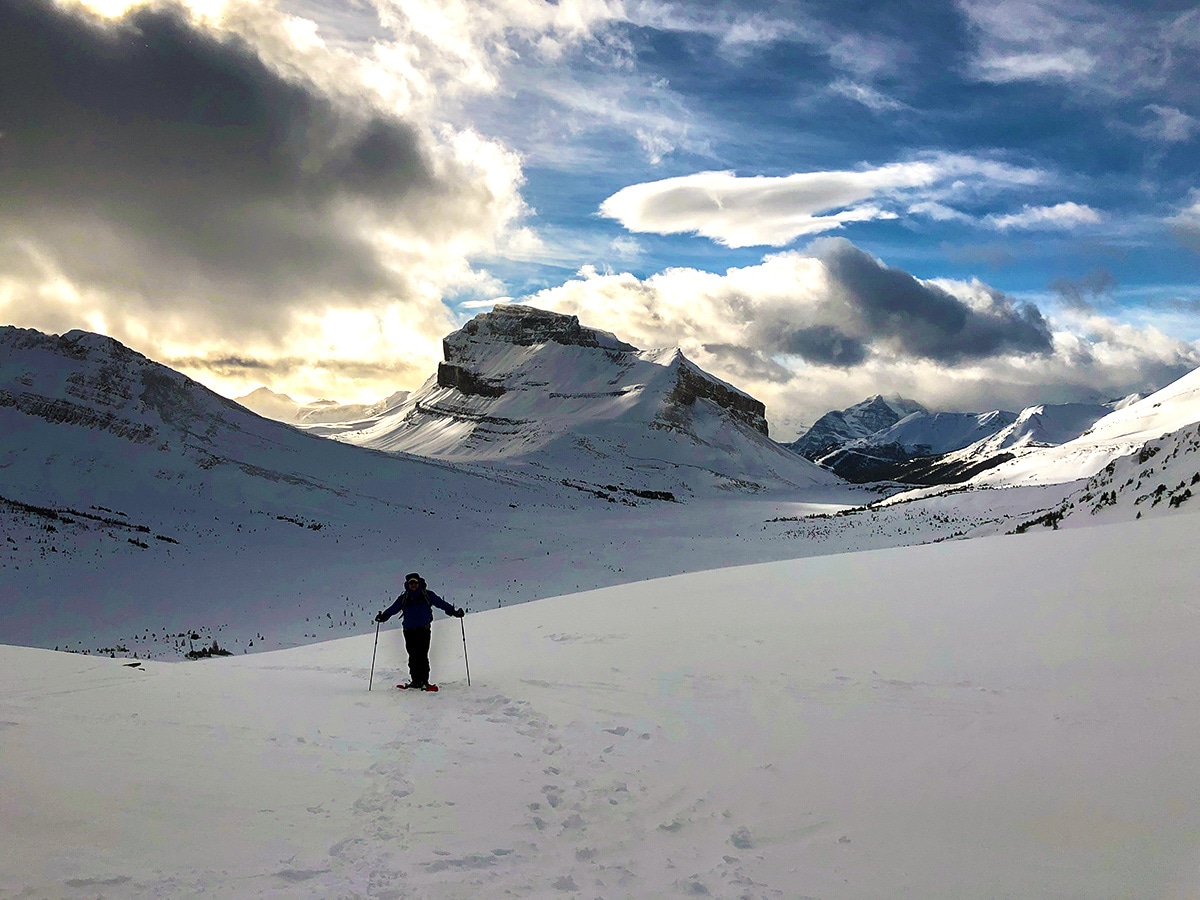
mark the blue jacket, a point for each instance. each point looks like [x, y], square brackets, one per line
[416, 608]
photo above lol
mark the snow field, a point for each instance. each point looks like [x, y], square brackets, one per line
[1011, 716]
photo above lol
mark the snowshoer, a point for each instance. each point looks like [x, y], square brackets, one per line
[415, 606]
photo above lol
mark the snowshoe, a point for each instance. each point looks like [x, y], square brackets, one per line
[411, 686]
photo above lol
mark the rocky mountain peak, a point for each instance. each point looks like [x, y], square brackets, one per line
[469, 350]
[840, 426]
[536, 388]
[526, 326]
[478, 361]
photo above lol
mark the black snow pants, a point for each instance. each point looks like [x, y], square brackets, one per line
[416, 641]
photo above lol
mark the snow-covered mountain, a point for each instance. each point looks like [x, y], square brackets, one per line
[614, 742]
[903, 451]
[1161, 477]
[1120, 433]
[1047, 425]
[129, 493]
[947, 448]
[841, 426]
[535, 390]
[283, 408]
[1106, 470]
[138, 509]
[930, 434]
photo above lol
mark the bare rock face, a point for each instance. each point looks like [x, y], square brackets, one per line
[694, 384]
[463, 379]
[525, 326]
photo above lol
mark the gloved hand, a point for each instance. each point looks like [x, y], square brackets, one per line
[459, 612]
[380, 617]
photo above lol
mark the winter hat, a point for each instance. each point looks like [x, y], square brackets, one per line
[413, 576]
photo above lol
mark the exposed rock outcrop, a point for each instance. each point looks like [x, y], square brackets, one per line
[693, 384]
[463, 379]
[526, 326]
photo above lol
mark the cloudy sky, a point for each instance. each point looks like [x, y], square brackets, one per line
[974, 204]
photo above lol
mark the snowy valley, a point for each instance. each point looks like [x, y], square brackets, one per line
[744, 676]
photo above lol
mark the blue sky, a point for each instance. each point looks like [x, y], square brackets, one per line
[916, 87]
[976, 204]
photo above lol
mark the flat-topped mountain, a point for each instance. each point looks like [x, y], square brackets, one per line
[526, 387]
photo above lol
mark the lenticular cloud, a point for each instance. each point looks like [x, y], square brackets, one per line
[773, 211]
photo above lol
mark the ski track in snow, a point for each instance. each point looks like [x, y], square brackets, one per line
[574, 798]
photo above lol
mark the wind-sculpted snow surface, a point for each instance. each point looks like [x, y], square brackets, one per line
[1006, 717]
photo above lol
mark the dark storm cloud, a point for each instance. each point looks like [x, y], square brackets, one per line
[924, 320]
[748, 364]
[147, 144]
[281, 367]
[825, 345]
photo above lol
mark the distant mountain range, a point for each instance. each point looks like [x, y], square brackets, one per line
[283, 408]
[909, 444]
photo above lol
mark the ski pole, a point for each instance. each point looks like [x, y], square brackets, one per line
[372, 678]
[465, 659]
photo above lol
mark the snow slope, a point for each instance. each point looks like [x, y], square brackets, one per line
[1163, 476]
[928, 434]
[1082, 465]
[1117, 434]
[1035, 427]
[1042, 425]
[949, 448]
[855, 726]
